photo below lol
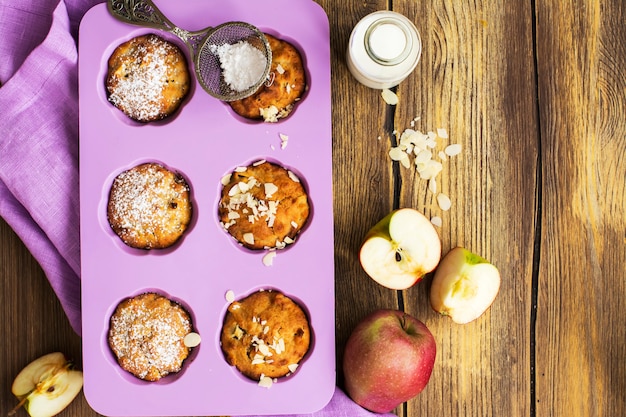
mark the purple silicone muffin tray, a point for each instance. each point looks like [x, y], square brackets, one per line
[204, 141]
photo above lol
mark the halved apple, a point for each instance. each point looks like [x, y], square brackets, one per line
[464, 286]
[400, 249]
[47, 385]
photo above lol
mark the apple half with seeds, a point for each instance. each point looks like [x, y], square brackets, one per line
[47, 385]
[400, 249]
[464, 286]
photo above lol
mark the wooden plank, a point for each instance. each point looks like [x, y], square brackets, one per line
[476, 80]
[581, 55]
[363, 183]
[33, 323]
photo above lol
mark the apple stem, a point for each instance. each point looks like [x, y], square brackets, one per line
[18, 406]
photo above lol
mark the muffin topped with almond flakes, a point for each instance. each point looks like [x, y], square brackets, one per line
[263, 206]
[265, 335]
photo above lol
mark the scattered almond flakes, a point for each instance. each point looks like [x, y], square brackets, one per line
[444, 202]
[422, 147]
[452, 150]
[268, 258]
[230, 296]
[436, 221]
[283, 140]
[192, 340]
[226, 179]
[270, 189]
[389, 96]
[249, 238]
[265, 381]
[292, 367]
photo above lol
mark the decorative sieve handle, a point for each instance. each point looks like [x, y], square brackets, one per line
[140, 12]
[145, 13]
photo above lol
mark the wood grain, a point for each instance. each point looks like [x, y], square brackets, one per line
[535, 92]
[476, 80]
[582, 95]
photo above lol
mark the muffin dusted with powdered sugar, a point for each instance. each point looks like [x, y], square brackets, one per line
[146, 335]
[263, 205]
[148, 78]
[149, 206]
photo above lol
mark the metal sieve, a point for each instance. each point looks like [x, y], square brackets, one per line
[202, 44]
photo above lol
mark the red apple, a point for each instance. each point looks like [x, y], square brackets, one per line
[388, 360]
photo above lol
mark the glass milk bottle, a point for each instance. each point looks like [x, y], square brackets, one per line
[384, 48]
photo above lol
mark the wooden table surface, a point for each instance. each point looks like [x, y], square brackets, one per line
[535, 91]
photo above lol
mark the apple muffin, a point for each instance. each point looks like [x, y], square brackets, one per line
[265, 335]
[146, 335]
[149, 206]
[147, 78]
[263, 206]
[276, 98]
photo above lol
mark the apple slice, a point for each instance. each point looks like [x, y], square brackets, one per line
[464, 286]
[47, 385]
[400, 249]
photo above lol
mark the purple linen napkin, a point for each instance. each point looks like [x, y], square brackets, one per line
[39, 147]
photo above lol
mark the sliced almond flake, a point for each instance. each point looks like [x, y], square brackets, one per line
[442, 133]
[233, 215]
[259, 162]
[234, 190]
[294, 224]
[270, 189]
[241, 169]
[283, 140]
[423, 157]
[292, 367]
[431, 143]
[432, 185]
[192, 340]
[397, 154]
[454, 149]
[288, 240]
[226, 179]
[230, 296]
[268, 258]
[248, 238]
[280, 69]
[389, 96]
[432, 135]
[405, 162]
[265, 350]
[238, 333]
[436, 221]
[444, 202]
[266, 329]
[258, 360]
[293, 176]
[443, 156]
[288, 88]
[265, 382]
[429, 169]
